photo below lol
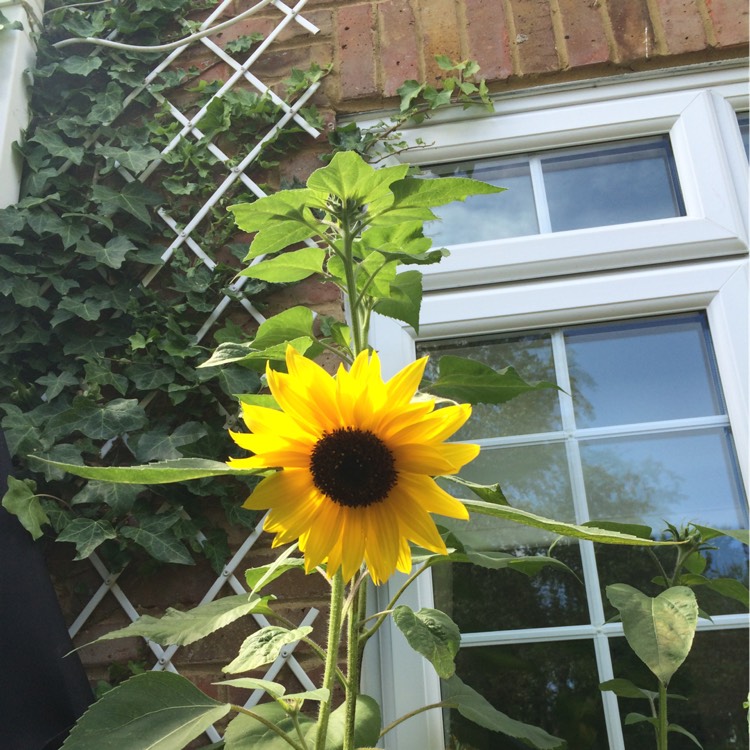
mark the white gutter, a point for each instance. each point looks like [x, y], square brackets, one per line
[17, 56]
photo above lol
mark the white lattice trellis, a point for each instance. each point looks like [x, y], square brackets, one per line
[186, 240]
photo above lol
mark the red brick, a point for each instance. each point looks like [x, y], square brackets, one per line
[632, 29]
[585, 37]
[487, 32]
[438, 20]
[535, 37]
[730, 21]
[356, 49]
[683, 26]
[399, 49]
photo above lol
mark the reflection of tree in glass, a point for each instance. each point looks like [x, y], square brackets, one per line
[552, 685]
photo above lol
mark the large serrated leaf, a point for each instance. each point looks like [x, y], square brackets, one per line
[526, 518]
[660, 630]
[162, 472]
[264, 646]
[431, 633]
[292, 266]
[473, 382]
[421, 192]
[247, 733]
[151, 711]
[471, 705]
[404, 299]
[183, 628]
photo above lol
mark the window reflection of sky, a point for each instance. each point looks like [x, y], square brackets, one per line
[744, 123]
[642, 372]
[598, 186]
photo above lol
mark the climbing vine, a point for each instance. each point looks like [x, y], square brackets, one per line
[100, 368]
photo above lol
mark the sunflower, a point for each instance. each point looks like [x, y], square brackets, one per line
[357, 457]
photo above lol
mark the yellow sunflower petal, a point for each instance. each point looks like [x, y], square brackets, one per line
[433, 460]
[260, 419]
[436, 427]
[280, 488]
[403, 563]
[433, 498]
[403, 385]
[383, 542]
[324, 530]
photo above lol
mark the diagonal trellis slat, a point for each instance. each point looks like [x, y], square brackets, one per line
[186, 240]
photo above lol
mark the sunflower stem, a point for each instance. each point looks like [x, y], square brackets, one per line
[354, 664]
[332, 655]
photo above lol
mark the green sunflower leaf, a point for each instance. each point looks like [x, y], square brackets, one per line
[183, 628]
[155, 710]
[404, 300]
[294, 323]
[366, 728]
[626, 689]
[420, 192]
[472, 382]
[264, 647]
[741, 535]
[161, 472]
[660, 630]
[248, 733]
[292, 266]
[431, 633]
[265, 574]
[592, 533]
[22, 502]
[471, 705]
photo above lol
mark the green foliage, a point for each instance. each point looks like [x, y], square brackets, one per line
[264, 646]
[158, 710]
[101, 369]
[431, 633]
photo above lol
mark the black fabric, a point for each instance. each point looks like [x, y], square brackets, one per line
[42, 691]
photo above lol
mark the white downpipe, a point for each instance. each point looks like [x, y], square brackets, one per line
[17, 55]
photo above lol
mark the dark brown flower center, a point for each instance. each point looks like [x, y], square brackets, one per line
[352, 467]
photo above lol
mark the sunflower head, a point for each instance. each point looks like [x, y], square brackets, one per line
[356, 457]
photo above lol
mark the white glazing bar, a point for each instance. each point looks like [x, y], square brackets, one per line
[540, 195]
[609, 699]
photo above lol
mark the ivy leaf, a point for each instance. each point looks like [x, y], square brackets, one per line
[468, 381]
[54, 143]
[87, 534]
[135, 159]
[471, 705]
[86, 308]
[112, 254]
[56, 384]
[405, 299]
[81, 66]
[431, 633]
[156, 710]
[162, 546]
[108, 104]
[264, 647]
[99, 422]
[27, 293]
[292, 266]
[183, 628]
[148, 376]
[162, 444]
[22, 502]
[408, 91]
[660, 630]
[133, 198]
[119, 497]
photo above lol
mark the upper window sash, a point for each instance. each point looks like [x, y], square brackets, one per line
[709, 156]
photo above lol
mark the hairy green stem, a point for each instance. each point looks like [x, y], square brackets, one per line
[354, 663]
[329, 675]
[663, 728]
[269, 725]
[415, 712]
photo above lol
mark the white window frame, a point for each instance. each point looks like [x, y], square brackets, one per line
[693, 263]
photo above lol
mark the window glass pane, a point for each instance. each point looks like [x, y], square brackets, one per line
[642, 372]
[714, 677]
[742, 120]
[681, 477]
[552, 685]
[531, 356]
[486, 217]
[616, 185]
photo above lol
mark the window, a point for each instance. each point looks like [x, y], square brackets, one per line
[584, 304]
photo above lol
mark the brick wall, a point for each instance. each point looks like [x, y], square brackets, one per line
[373, 47]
